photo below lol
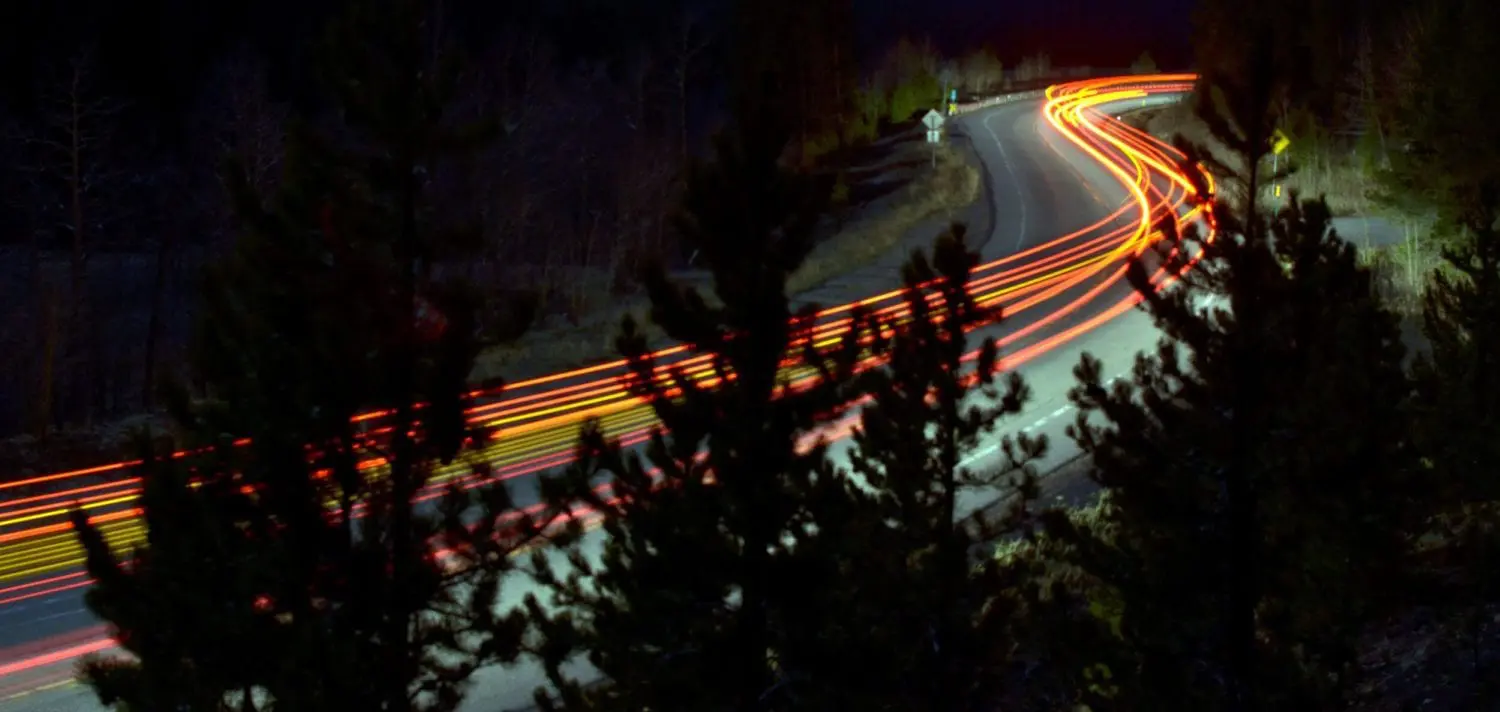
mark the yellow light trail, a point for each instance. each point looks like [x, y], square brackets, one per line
[538, 418]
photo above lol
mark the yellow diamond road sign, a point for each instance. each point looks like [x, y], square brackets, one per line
[1279, 141]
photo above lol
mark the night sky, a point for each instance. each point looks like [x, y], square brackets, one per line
[157, 50]
[1099, 32]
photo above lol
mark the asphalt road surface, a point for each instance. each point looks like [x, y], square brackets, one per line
[1040, 186]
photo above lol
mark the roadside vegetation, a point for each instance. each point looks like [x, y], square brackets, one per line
[1366, 93]
[1326, 167]
[71, 396]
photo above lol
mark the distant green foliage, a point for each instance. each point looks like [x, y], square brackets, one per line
[1032, 67]
[1143, 64]
[981, 72]
[908, 77]
[914, 97]
[821, 145]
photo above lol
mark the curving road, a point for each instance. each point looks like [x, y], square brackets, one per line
[1072, 192]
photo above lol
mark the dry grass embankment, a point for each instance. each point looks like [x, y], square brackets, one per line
[927, 191]
[952, 184]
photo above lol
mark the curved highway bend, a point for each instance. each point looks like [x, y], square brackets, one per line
[1074, 193]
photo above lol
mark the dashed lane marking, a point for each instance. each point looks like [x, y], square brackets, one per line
[40, 688]
[978, 455]
[1064, 410]
[989, 450]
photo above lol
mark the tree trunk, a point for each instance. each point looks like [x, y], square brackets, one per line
[153, 324]
[77, 329]
[682, 111]
[49, 337]
[1242, 596]
[403, 471]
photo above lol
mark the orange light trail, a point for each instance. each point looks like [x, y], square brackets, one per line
[537, 419]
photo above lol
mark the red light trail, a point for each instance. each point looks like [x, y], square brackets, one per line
[537, 420]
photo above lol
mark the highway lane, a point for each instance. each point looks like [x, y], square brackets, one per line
[1043, 187]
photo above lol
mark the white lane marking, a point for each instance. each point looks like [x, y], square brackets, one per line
[1014, 180]
[39, 601]
[978, 455]
[40, 688]
[988, 450]
[55, 616]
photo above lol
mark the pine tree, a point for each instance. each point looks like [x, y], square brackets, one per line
[1143, 64]
[1458, 401]
[1457, 377]
[198, 631]
[1257, 470]
[798, 57]
[288, 553]
[1449, 168]
[932, 630]
[705, 556]
[1448, 163]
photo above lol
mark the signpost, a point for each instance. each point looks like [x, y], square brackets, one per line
[934, 123]
[949, 74]
[1279, 143]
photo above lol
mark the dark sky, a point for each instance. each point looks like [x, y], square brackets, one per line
[160, 47]
[1071, 31]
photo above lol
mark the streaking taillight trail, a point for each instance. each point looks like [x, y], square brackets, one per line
[538, 418]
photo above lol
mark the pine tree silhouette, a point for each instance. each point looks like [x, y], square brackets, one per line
[290, 574]
[1449, 169]
[1258, 468]
[707, 539]
[931, 628]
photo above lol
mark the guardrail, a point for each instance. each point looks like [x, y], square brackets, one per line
[1060, 76]
[1000, 99]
